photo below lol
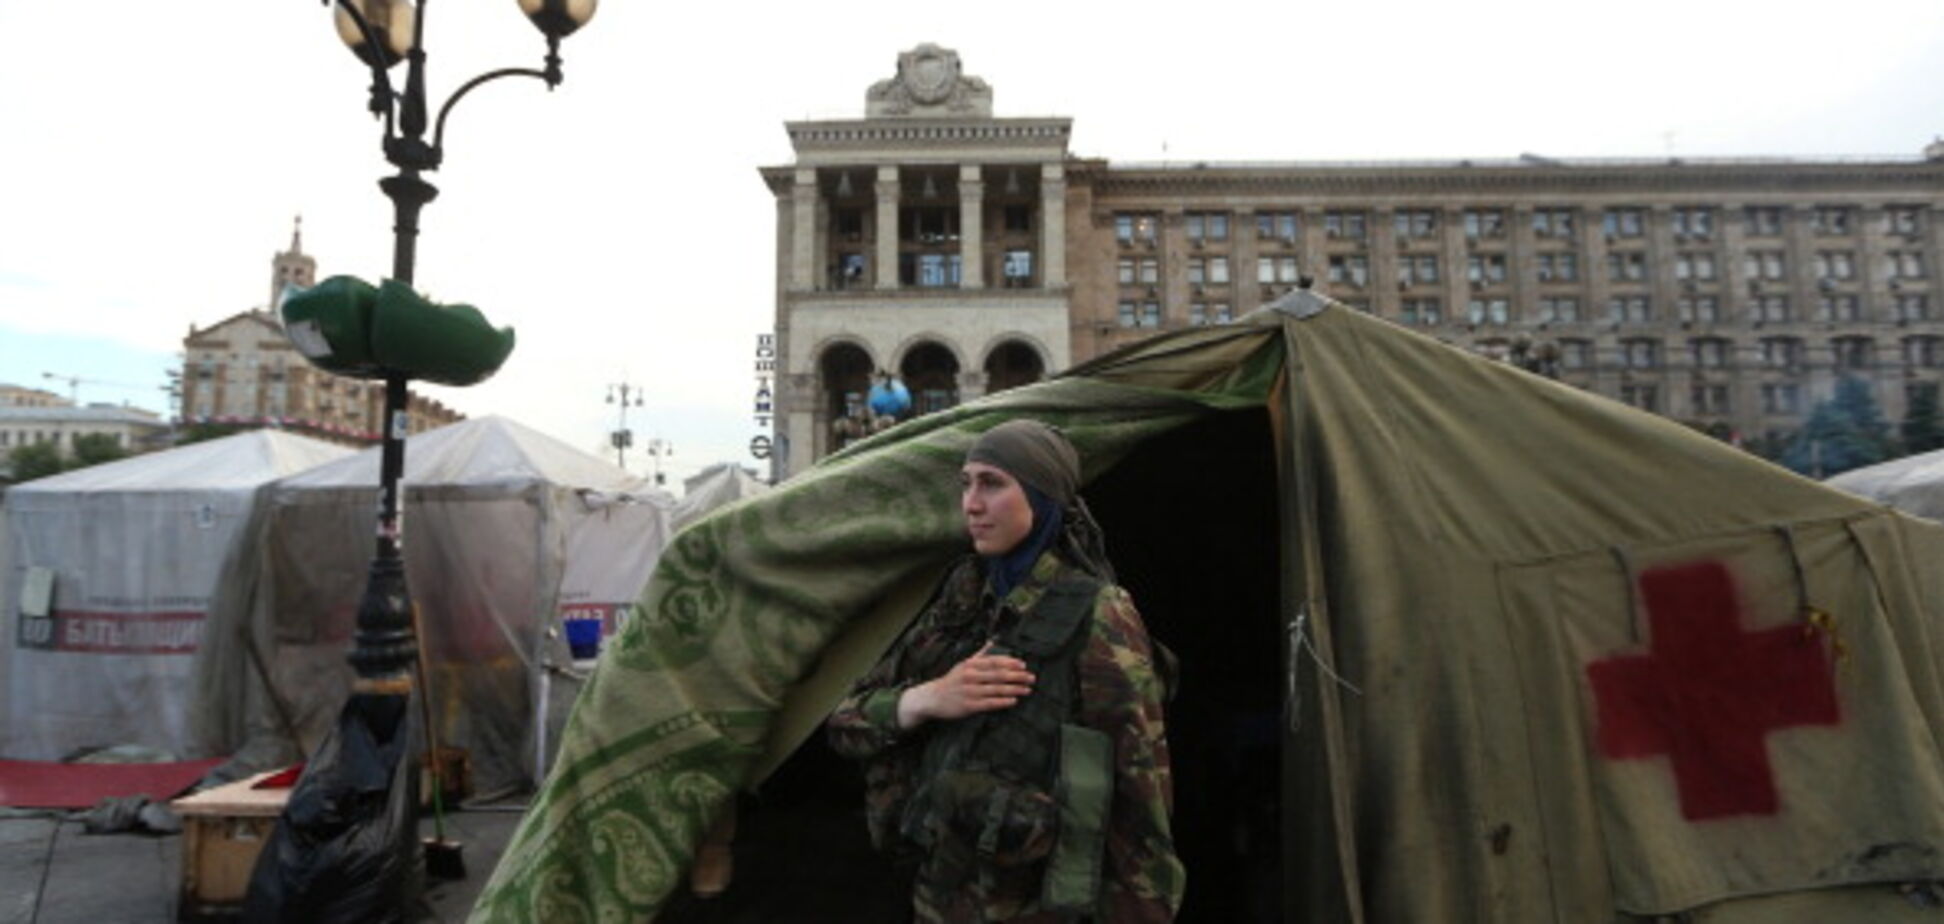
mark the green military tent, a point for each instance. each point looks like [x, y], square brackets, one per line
[1459, 643]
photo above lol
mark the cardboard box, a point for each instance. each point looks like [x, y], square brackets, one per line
[223, 830]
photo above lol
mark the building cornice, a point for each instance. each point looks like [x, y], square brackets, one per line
[1925, 178]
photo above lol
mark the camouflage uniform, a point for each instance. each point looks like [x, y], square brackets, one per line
[1120, 695]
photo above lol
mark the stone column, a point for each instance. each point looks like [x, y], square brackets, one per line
[1800, 272]
[887, 227]
[971, 228]
[803, 231]
[1661, 254]
[1523, 271]
[1053, 226]
[1385, 298]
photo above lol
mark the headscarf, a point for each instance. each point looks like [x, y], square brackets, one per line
[1048, 467]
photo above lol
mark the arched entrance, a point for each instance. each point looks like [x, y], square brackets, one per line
[1012, 364]
[844, 378]
[931, 372]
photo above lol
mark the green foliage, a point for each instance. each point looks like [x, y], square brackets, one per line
[1847, 431]
[1922, 429]
[196, 433]
[35, 460]
[96, 448]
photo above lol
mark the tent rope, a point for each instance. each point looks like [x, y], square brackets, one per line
[1299, 644]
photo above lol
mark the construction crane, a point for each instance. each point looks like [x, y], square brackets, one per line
[74, 383]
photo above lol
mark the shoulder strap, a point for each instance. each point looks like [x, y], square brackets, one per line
[1062, 610]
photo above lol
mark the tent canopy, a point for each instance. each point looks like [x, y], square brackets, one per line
[1912, 484]
[1481, 583]
[136, 550]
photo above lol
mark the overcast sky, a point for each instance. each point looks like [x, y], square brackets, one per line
[155, 153]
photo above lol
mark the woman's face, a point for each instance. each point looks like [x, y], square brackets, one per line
[997, 513]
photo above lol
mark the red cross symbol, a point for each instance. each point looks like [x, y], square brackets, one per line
[1707, 694]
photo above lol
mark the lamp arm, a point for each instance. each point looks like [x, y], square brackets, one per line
[438, 129]
[381, 88]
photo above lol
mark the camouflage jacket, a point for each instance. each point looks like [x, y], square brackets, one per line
[1142, 879]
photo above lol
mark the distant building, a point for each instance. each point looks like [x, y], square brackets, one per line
[244, 372]
[20, 396]
[132, 429]
[969, 253]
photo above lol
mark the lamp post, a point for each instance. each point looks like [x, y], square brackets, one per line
[383, 33]
[622, 437]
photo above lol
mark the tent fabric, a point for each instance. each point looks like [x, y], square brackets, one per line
[714, 487]
[1479, 568]
[137, 549]
[1913, 484]
[506, 532]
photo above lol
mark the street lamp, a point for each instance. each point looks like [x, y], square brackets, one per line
[382, 33]
[622, 437]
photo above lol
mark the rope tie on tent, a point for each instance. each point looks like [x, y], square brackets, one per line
[1815, 619]
[1299, 644]
[1625, 561]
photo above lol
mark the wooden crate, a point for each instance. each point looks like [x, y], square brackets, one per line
[223, 830]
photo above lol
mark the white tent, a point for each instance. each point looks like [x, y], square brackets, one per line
[1912, 484]
[504, 528]
[716, 486]
[111, 570]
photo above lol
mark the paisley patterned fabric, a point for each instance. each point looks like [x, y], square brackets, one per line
[759, 616]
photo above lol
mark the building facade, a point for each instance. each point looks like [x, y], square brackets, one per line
[970, 253]
[61, 423]
[244, 372]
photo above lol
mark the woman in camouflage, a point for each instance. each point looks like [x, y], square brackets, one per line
[1012, 738]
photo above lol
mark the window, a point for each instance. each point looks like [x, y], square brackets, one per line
[1552, 222]
[1631, 309]
[1558, 267]
[1913, 307]
[1770, 309]
[1920, 391]
[1140, 314]
[1576, 354]
[6, 437]
[1624, 223]
[1563, 309]
[1421, 312]
[1831, 220]
[1708, 399]
[1347, 269]
[1281, 226]
[1206, 226]
[1197, 271]
[1136, 227]
[1345, 225]
[1709, 352]
[929, 270]
[1903, 264]
[1763, 221]
[1764, 264]
[847, 224]
[1782, 353]
[1017, 268]
[1124, 271]
[1640, 353]
[929, 225]
[1626, 266]
[1222, 313]
[1272, 270]
[1645, 397]
[1488, 311]
[1018, 218]
[1485, 269]
[1923, 352]
[1781, 398]
[1410, 223]
[849, 272]
[1485, 223]
[1697, 265]
[1412, 270]
[1903, 219]
[1218, 271]
[1839, 308]
[1835, 264]
[1693, 222]
[1854, 352]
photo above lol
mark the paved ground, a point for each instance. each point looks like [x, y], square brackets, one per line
[52, 873]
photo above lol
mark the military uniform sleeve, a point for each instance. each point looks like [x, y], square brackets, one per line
[865, 724]
[1143, 879]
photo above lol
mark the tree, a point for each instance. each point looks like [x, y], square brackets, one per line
[1847, 431]
[35, 460]
[96, 448]
[1922, 429]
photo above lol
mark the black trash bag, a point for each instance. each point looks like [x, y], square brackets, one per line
[345, 848]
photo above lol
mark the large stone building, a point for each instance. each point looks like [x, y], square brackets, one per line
[244, 372]
[968, 253]
[59, 423]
